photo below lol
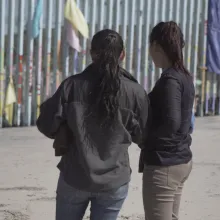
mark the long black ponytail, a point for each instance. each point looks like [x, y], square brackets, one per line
[106, 48]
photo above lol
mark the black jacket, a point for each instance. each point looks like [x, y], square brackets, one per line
[97, 160]
[63, 138]
[169, 139]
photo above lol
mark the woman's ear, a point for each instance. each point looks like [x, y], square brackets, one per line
[122, 56]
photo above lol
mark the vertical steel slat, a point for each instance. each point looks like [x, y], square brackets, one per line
[189, 34]
[47, 55]
[157, 12]
[117, 17]
[130, 43]
[184, 16]
[101, 14]
[93, 18]
[207, 93]
[184, 19]
[84, 42]
[177, 12]
[39, 65]
[65, 51]
[66, 57]
[210, 109]
[146, 30]
[2, 60]
[195, 37]
[161, 18]
[110, 14]
[57, 41]
[154, 22]
[164, 7]
[36, 82]
[92, 23]
[29, 76]
[139, 24]
[124, 26]
[10, 51]
[202, 55]
[170, 16]
[214, 92]
[76, 54]
[160, 10]
[67, 60]
[20, 63]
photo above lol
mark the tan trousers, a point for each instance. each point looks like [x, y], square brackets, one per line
[162, 190]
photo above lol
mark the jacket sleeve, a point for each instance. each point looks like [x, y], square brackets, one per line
[144, 123]
[171, 107]
[142, 112]
[51, 114]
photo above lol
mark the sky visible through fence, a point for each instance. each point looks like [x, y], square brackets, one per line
[34, 68]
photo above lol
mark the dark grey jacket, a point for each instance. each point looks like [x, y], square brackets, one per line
[97, 159]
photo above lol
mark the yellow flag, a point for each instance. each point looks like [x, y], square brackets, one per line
[76, 18]
[10, 99]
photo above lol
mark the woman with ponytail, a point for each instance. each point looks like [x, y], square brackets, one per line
[167, 159]
[104, 110]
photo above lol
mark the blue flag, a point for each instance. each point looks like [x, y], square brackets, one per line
[36, 19]
[213, 37]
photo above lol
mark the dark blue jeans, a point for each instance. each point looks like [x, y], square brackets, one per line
[71, 203]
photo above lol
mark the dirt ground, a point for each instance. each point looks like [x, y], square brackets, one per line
[28, 176]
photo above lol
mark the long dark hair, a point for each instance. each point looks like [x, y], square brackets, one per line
[106, 48]
[170, 37]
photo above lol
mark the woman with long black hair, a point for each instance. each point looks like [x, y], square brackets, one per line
[105, 110]
[167, 158]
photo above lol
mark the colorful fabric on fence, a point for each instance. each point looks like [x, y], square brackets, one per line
[9, 102]
[213, 43]
[72, 37]
[36, 20]
[76, 18]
